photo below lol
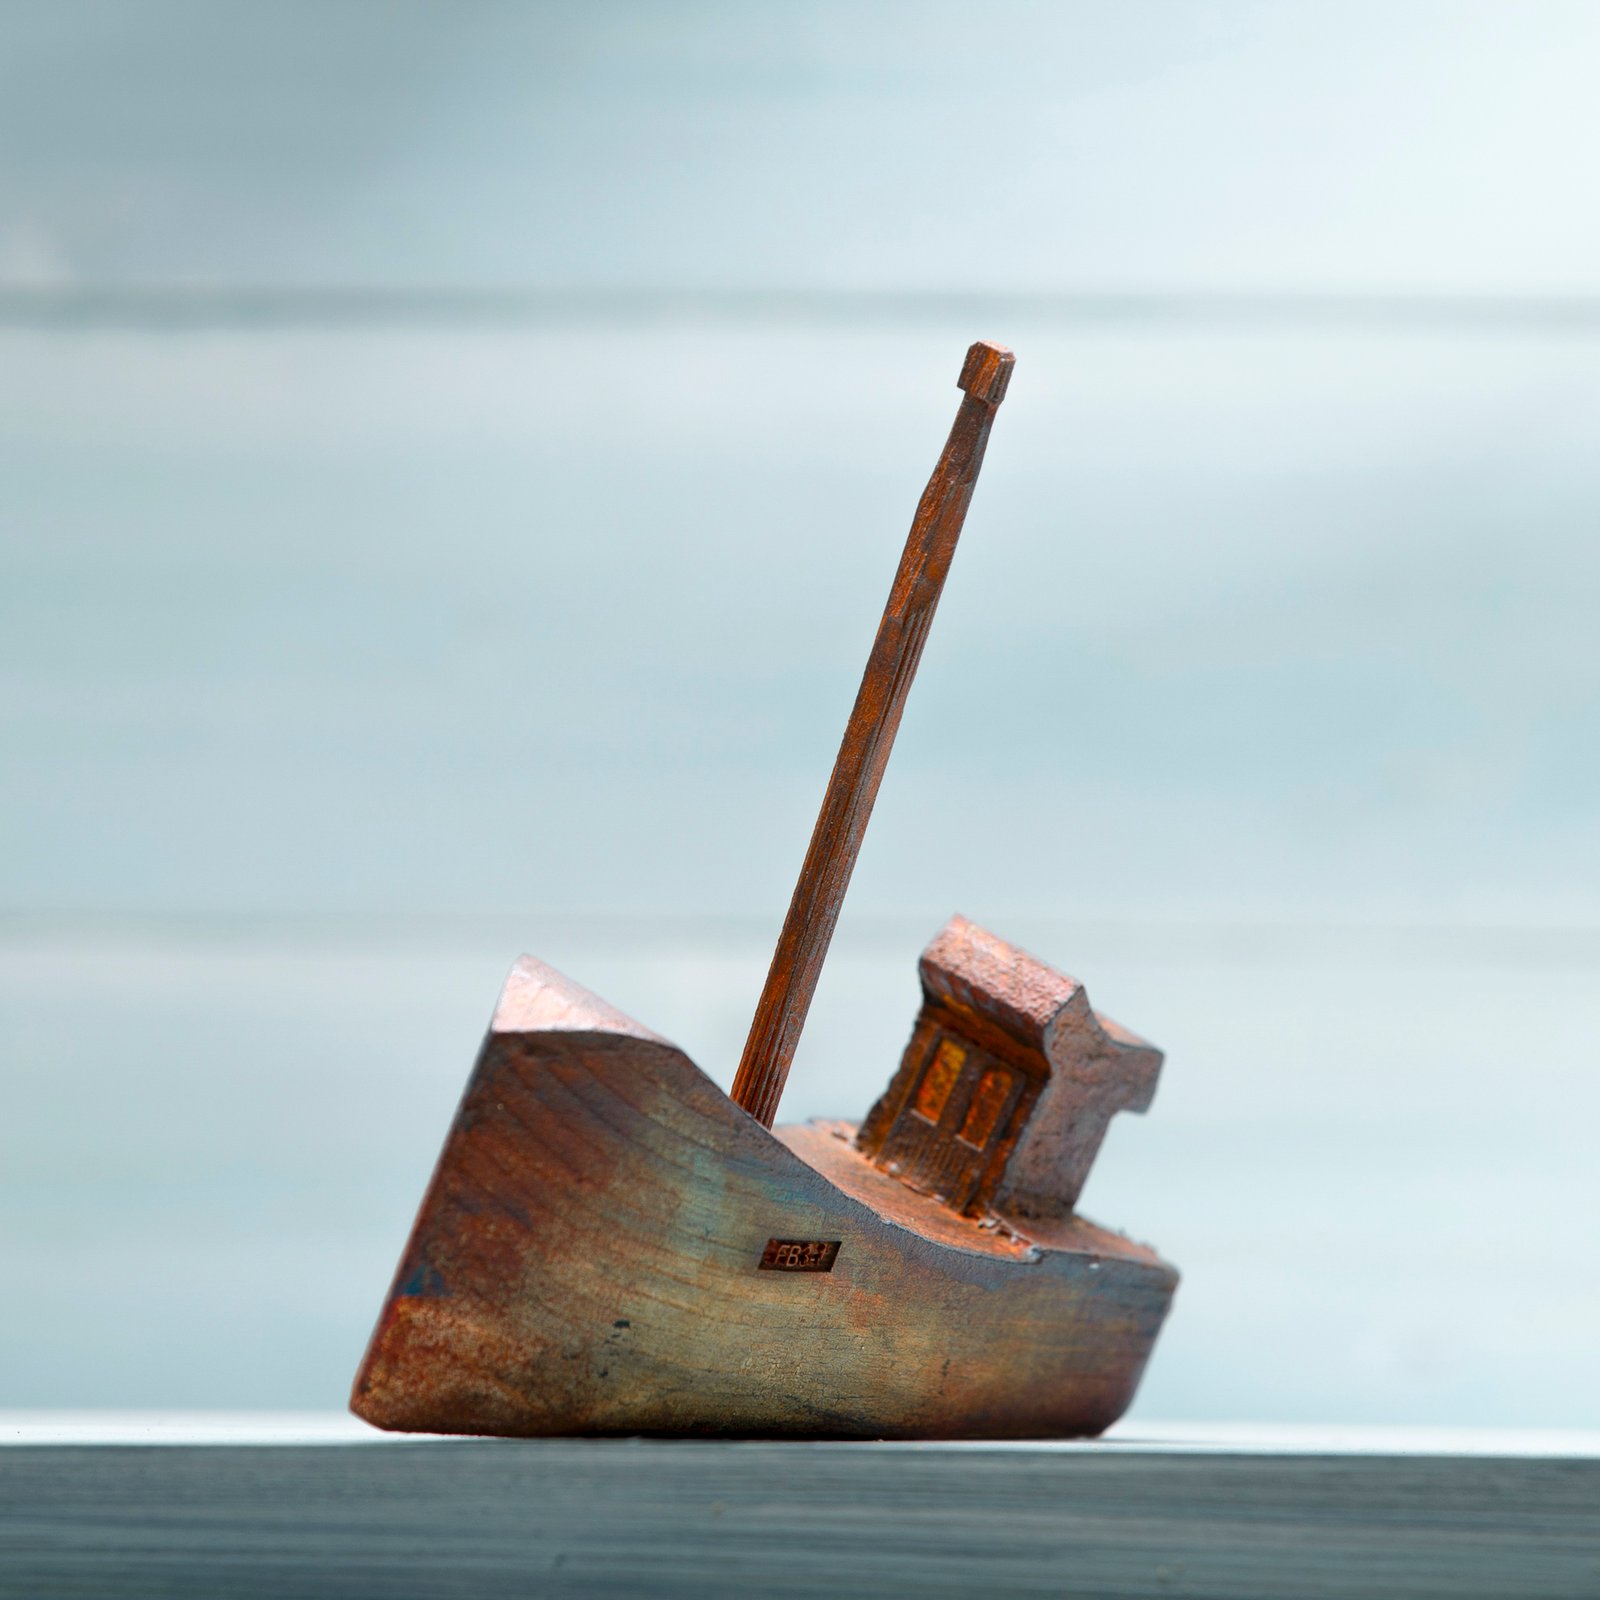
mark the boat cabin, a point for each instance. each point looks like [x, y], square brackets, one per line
[1008, 1084]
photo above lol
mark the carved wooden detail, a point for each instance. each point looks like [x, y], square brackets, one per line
[588, 1259]
[610, 1244]
[1004, 1094]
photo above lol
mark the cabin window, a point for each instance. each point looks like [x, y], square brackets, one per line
[939, 1079]
[989, 1099]
[950, 1132]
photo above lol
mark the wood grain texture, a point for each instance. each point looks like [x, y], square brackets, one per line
[868, 738]
[587, 1260]
[405, 1520]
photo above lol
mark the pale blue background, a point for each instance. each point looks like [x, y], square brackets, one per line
[451, 461]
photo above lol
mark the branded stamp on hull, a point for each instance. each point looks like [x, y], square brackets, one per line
[612, 1245]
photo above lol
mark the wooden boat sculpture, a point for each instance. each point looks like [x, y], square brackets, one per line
[612, 1245]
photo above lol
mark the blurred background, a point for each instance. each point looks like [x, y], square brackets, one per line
[452, 459]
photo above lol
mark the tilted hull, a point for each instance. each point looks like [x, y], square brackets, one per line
[588, 1260]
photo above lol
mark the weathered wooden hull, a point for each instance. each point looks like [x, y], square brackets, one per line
[588, 1259]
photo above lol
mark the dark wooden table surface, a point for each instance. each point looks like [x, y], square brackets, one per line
[314, 1506]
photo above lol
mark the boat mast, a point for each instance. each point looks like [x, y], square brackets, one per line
[868, 739]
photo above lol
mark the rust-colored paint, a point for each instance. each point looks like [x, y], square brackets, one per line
[868, 739]
[1066, 1070]
[933, 1093]
[588, 1260]
[989, 1100]
[612, 1245]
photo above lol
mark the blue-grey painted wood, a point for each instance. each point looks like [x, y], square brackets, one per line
[559, 1518]
[339, 666]
[900, 145]
[319, 602]
[330, 621]
[220, 1177]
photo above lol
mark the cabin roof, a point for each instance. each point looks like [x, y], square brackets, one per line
[968, 968]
